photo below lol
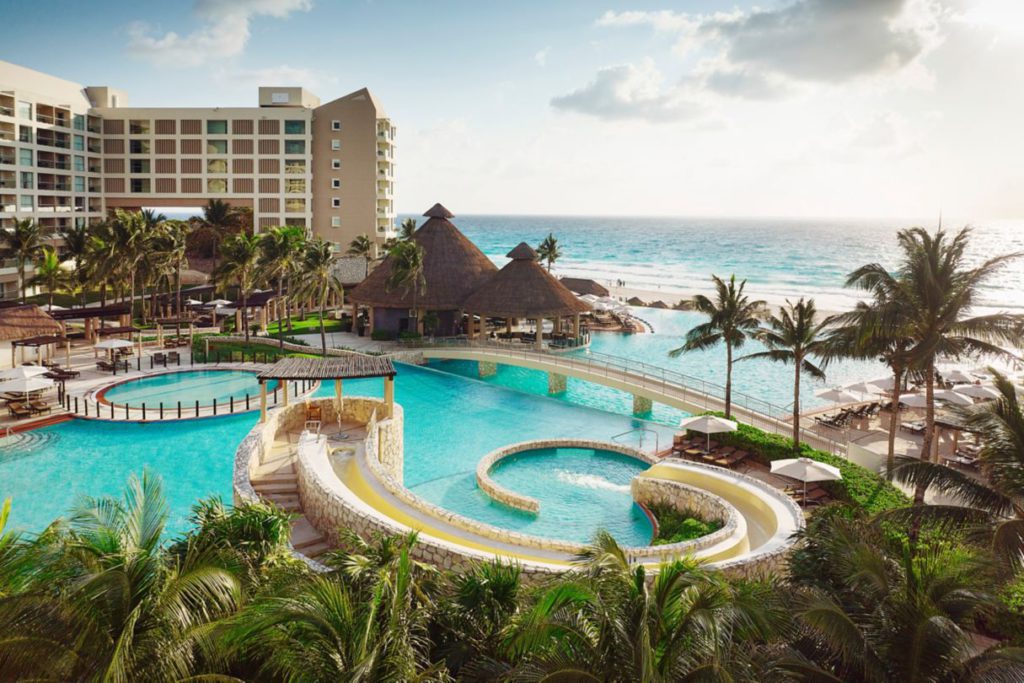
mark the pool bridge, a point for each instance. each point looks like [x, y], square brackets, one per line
[646, 382]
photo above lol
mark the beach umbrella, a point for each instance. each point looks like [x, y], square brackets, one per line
[26, 385]
[805, 470]
[953, 397]
[837, 396]
[54, 307]
[192, 302]
[913, 400]
[114, 344]
[958, 376]
[708, 424]
[862, 388]
[883, 383]
[23, 372]
[977, 391]
[217, 302]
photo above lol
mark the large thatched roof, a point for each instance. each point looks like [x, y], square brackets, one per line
[452, 267]
[24, 322]
[523, 289]
[581, 285]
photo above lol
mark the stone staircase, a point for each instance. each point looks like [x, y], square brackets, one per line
[275, 481]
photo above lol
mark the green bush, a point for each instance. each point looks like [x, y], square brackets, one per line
[410, 335]
[676, 526]
[382, 335]
[859, 485]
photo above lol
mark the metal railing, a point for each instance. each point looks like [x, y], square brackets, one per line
[641, 431]
[690, 390]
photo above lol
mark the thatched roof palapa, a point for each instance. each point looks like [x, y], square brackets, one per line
[523, 289]
[24, 322]
[582, 285]
[452, 266]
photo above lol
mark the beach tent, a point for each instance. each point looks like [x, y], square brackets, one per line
[953, 397]
[913, 400]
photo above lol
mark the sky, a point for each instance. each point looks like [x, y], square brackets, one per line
[788, 108]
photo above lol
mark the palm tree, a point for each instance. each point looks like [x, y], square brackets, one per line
[171, 245]
[406, 229]
[21, 242]
[283, 248]
[76, 247]
[548, 250]
[49, 273]
[127, 245]
[152, 219]
[940, 290]
[240, 263]
[318, 280]
[407, 274]
[794, 336]
[361, 246]
[217, 220]
[732, 318]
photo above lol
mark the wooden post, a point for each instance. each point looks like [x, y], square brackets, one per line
[67, 352]
[369, 319]
[337, 397]
[389, 395]
[263, 401]
[576, 326]
[284, 387]
[540, 333]
[238, 321]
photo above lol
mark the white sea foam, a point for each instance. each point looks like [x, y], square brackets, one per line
[589, 481]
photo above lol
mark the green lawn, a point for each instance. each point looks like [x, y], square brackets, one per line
[229, 349]
[308, 325]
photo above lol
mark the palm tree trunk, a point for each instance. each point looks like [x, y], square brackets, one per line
[177, 297]
[280, 300]
[929, 425]
[245, 313]
[796, 406]
[894, 422]
[728, 380]
[323, 333]
[21, 279]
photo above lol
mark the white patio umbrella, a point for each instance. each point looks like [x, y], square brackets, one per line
[191, 302]
[957, 376]
[913, 400]
[883, 383]
[978, 391]
[23, 372]
[26, 385]
[805, 470]
[114, 344]
[953, 397]
[862, 388]
[837, 396]
[217, 302]
[708, 424]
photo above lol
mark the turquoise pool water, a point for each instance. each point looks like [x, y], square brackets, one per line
[188, 387]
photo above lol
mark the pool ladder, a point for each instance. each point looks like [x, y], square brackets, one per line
[641, 430]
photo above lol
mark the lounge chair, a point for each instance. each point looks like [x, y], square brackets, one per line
[19, 410]
[40, 407]
[105, 365]
[173, 357]
[734, 458]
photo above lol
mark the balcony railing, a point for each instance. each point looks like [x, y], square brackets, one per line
[9, 161]
[6, 111]
[61, 165]
[58, 187]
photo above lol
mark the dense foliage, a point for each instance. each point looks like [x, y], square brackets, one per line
[676, 526]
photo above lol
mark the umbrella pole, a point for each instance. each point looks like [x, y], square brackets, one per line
[708, 449]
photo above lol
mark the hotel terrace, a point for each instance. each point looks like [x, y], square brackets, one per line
[71, 153]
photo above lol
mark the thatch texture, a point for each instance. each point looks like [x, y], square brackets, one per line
[452, 267]
[348, 367]
[24, 322]
[582, 285]
[523, 289]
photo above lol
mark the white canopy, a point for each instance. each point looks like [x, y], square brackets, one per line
[953, 397]
[863, 388]
[913, 400]
[23, 372]
[217, 302]
[192, 302]
[837, 396]
[883, 383]
[805, 470]
[26, 385]
[114, 344]
[708, 424]
[957, 376]
[589, 298]
[978, 391]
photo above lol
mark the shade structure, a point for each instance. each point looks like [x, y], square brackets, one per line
[837, 396]
[978, 391]
[883, 383]
[953, 397]
[217, 302]
[863, 388]
[26, 385]
[805, 470]
[913, 400]
[708, 424]
[957, 376]
[191, 302]
[23, 372]
[114, 344]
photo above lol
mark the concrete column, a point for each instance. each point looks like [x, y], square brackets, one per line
[540, 333]
[284, 390]
[556, 383]
[14, 356]
[389, 395]
[263, 319]
[67, 353]
[191, 335]
[337, 397]
[486, 368]
[238, 321]
[576, 326]
[263, 401]
[369, 320]
[641, 405]
[159, 335]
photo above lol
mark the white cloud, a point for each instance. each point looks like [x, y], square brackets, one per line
[540, 57]
[627, 91]
[274, 75]
[223, 34]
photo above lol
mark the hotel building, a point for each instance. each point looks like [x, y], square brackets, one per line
[71, 153]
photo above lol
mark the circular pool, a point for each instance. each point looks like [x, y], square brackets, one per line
[186, 387]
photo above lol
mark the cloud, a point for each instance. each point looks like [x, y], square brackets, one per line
[274, 75]
[665, 20]
[223, 34]
[627, 91]
[540, 58]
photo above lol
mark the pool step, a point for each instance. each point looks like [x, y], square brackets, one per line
[275, 478]
[287, 502]
[264, 486]
[304, 534]
[316, 550]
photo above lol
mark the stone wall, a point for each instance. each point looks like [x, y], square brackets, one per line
[650, 492]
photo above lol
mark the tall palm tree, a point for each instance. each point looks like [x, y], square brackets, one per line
[794, 336]
[318, 280]
[240, 264]
[362, 245]
[407, 274]
[49, 273]
[548, 250]
[940, 290]
[152, 219]
[76, 247]
[732, 319]
[406, 229]
[22, 242]
[217, 221]
[283, 247]
[171, 245]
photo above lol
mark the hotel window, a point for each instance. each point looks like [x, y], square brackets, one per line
[335, 144]
[216, 146]
[294, 146]
[335, 124]
[216, 127]
[139, 166]
[27, 180]
[335, 163]
[294, 166]
[24, 109]
[138, 127]
[295, 185]
[335, 221]
[80, 164]
[79, 122]
[295, 205]
[336, 202]
[138, 146]
[78, 143]
[217, 166]
[217, 185]
[24, 133]
[335, 183]
[139, 185]
[25, 201]
[294, 127]
[25, 157]
[79, 184]
[296, 222]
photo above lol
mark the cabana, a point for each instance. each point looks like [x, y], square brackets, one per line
[320, 369]
[89, 314]
[28, 326]
[523, 289]
[452, 268]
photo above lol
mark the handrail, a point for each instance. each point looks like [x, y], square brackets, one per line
[693, 389]
[657, 441]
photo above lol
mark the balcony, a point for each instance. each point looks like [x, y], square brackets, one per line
[54, 187]
[95, 146]
[7, 160]
[58, 164]
[60, 141]
[6, 111]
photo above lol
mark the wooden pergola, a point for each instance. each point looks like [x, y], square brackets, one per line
[337, 369]
[44, 340]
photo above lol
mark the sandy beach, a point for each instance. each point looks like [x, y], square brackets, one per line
[672, 296]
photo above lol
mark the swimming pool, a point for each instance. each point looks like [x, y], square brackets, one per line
[187, 387]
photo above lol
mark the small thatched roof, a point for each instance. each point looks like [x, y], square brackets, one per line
[523, 289]
[190, 276]
[24, 322]
[452, 267]
[582, 285]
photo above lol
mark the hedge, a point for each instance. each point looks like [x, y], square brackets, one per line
[859, 485]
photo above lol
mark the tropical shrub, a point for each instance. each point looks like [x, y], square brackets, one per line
[676, 526]
[382, 335]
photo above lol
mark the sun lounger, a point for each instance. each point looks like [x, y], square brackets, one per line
[40, 407]
[734, 458]
[19, 410]
[173, 357]
[105, 365]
